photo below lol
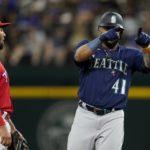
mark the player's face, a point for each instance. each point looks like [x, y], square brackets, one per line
[2, 38]
[105, 29]
[108, 44]
[102, 30]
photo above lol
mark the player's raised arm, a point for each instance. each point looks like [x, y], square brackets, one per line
[85, 51]
[143, 40]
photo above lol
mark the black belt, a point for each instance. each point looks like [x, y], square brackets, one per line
[96, 110]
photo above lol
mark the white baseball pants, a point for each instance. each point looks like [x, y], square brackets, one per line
[94, 132]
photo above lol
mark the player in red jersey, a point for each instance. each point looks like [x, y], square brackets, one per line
[7, 128]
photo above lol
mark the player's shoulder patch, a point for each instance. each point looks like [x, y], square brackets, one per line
[83, 42]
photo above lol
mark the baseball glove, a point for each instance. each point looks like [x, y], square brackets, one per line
[18, 142]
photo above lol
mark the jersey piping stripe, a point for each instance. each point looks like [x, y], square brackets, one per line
[137, 92]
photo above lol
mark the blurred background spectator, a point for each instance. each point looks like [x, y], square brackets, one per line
[45, 32]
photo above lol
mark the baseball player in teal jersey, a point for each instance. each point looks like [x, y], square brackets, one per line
[106, 68]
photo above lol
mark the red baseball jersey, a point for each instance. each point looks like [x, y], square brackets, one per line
[5, 99]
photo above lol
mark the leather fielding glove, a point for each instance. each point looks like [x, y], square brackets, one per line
[18, 142]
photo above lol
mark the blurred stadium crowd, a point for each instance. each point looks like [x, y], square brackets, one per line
[45, 32]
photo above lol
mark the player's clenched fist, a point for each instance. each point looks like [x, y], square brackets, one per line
[110, 35]
[142, 39]
[5, 136]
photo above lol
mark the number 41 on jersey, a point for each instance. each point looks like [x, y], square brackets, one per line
[119, 86]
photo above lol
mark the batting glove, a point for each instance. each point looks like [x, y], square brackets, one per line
[142, 39]
[110, 35]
